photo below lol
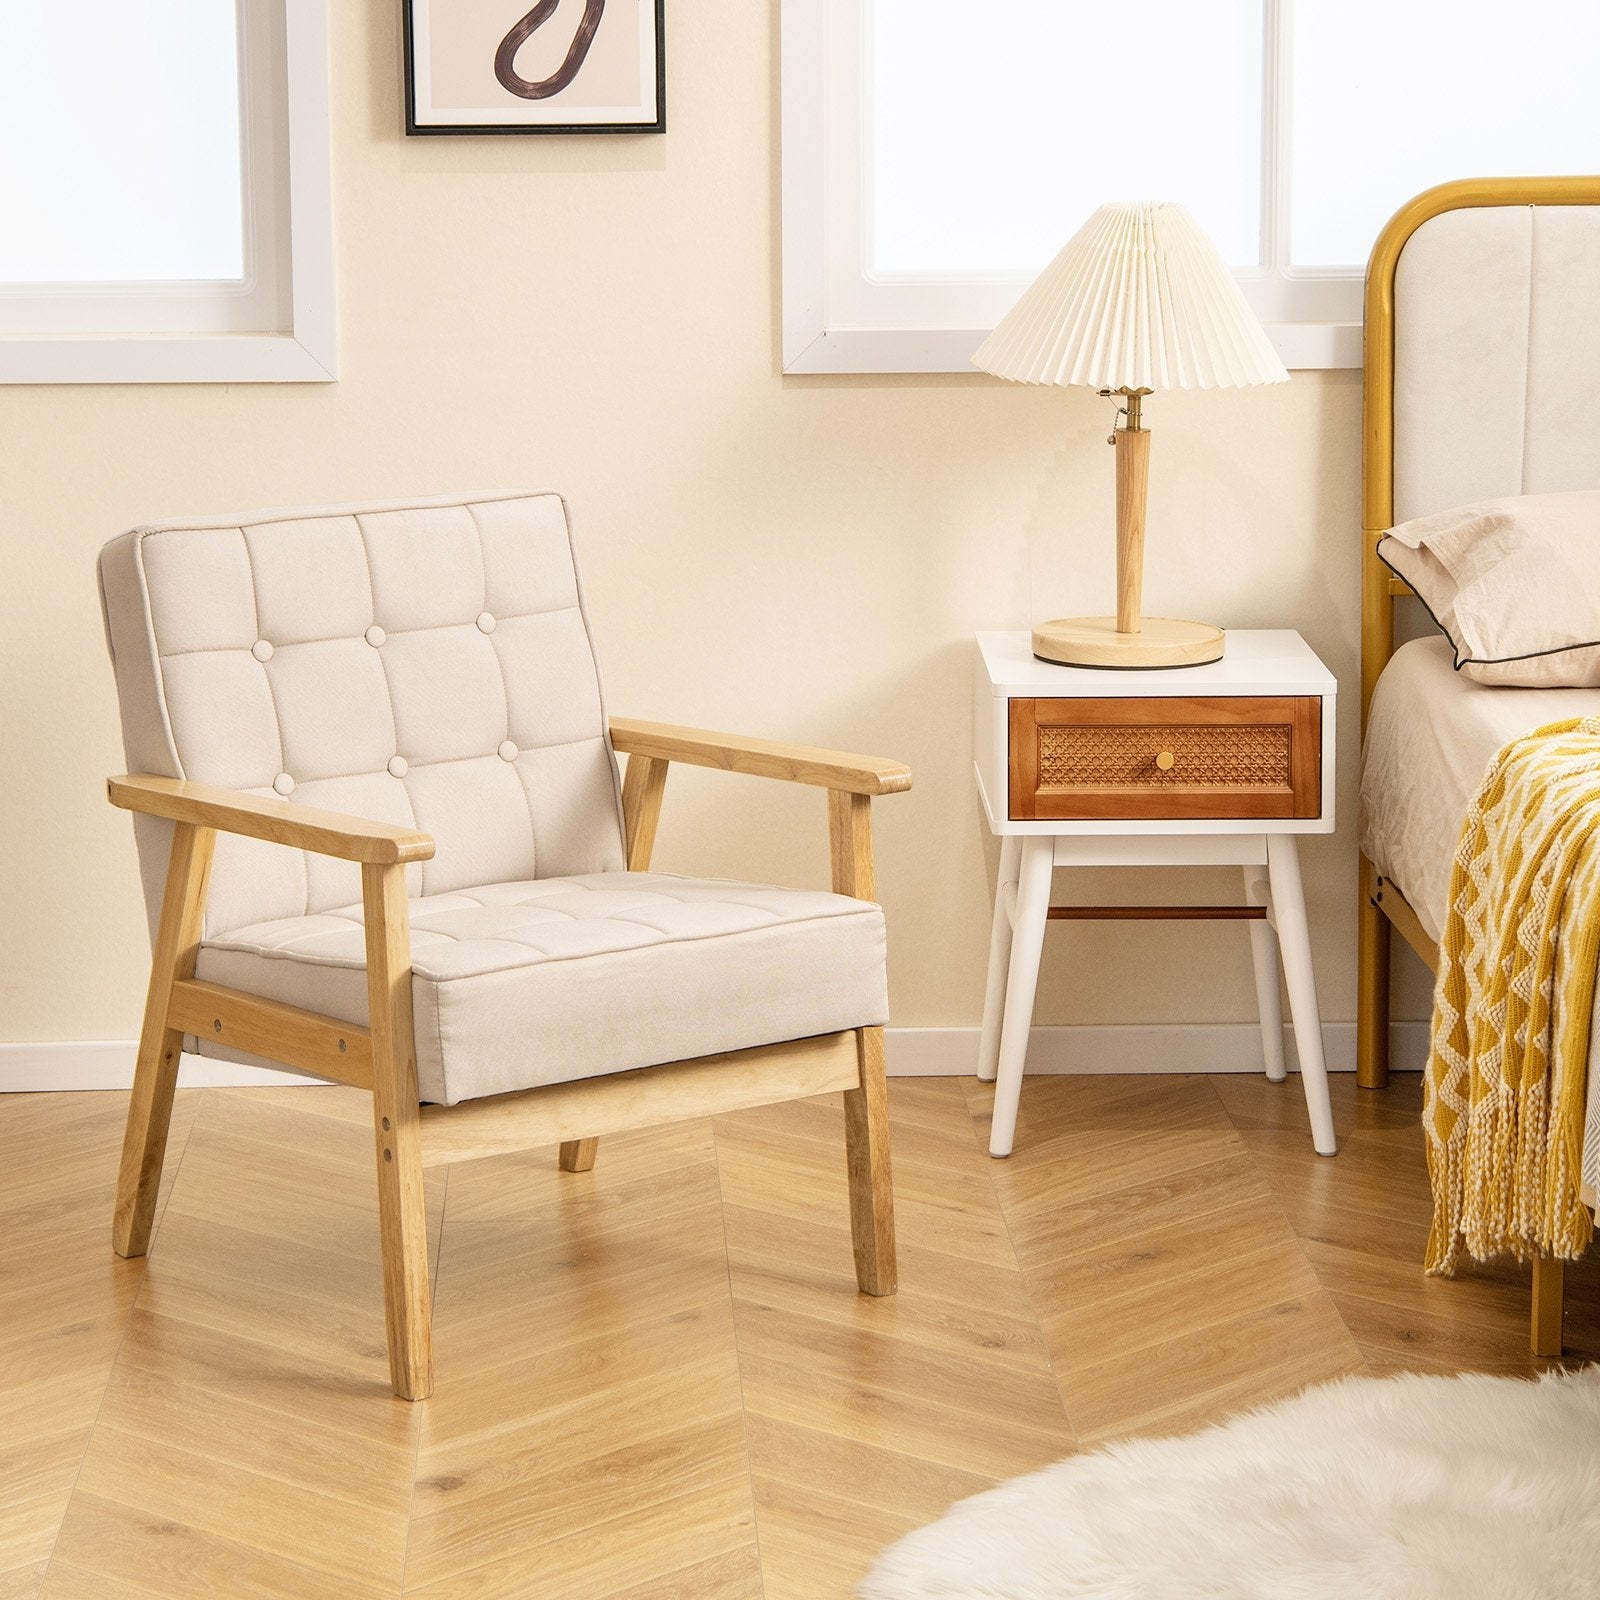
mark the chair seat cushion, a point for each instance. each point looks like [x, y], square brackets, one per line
[520, 984]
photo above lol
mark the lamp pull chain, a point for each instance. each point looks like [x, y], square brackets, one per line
[1121, 411]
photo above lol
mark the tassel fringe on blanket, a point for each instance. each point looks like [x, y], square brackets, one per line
[1508, 1063]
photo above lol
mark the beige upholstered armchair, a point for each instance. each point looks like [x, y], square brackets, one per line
[410, 689]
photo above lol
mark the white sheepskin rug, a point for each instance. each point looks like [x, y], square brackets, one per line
[1406, 1488]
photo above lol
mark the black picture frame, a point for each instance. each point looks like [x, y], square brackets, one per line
[427, 123]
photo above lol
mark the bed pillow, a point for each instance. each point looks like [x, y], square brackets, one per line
[1514, 584]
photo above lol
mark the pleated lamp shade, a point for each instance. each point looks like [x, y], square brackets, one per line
[1138, 298]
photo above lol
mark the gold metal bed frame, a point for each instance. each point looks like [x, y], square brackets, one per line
[1382, 905]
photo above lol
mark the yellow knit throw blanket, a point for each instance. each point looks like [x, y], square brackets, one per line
[1508, 1066]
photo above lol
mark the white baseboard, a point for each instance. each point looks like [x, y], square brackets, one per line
[1208, 1047]
[912, 1053]
[108, 1064]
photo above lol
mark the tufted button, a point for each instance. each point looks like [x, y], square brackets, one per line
[507, 751]
[397, 767]
[485, 622]
[261, 650]
[284, 784]
[376, 636]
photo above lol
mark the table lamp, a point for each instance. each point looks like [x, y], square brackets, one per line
[1138, 300]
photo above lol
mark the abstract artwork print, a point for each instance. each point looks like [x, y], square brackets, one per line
[560, 66]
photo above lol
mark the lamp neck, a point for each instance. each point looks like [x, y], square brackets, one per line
[1135, 398]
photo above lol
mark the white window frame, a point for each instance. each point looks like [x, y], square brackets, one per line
[828, 320]
[299, 236]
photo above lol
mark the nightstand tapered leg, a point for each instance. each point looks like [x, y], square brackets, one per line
[994, 995]
[1027, 943]
[1294, 939]
[1264, 955]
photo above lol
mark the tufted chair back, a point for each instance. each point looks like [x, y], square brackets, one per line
[426, 663]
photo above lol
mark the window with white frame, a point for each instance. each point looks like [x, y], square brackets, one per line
[165, 212]
[937, 154]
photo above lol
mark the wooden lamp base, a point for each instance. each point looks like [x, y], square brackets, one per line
[1127, 639]
[1095, 642]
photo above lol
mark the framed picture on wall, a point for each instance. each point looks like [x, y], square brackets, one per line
[561, 66]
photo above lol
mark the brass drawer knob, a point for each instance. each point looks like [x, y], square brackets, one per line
[1164, 761]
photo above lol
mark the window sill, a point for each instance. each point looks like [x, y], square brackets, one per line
[200, 358]
[814, 349]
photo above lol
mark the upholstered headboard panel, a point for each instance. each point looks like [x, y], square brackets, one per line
[1497, 356]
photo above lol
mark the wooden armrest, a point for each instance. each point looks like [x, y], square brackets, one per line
[324, 833]
[761, 758]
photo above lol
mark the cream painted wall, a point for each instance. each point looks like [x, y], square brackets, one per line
[807, 557]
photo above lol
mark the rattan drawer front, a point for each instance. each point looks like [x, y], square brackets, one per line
[1207, 757]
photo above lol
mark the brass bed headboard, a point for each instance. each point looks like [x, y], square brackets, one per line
[1471, 393]
[1482, 380]
[1378, 589]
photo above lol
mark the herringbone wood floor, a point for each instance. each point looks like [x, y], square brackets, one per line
[656, 1379]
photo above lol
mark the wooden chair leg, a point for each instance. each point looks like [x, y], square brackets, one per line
[866, 1136]
[155, 1076]
[1545, 1330]
[866, 1109]
[402, 1215]
[1372, 986]
[577, 1155]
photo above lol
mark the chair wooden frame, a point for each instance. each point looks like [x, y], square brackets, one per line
[1382, 906]
[381, 1057]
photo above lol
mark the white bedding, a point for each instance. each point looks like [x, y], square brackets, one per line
[1430, 735]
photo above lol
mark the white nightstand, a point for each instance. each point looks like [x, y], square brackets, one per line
[1198, 766]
